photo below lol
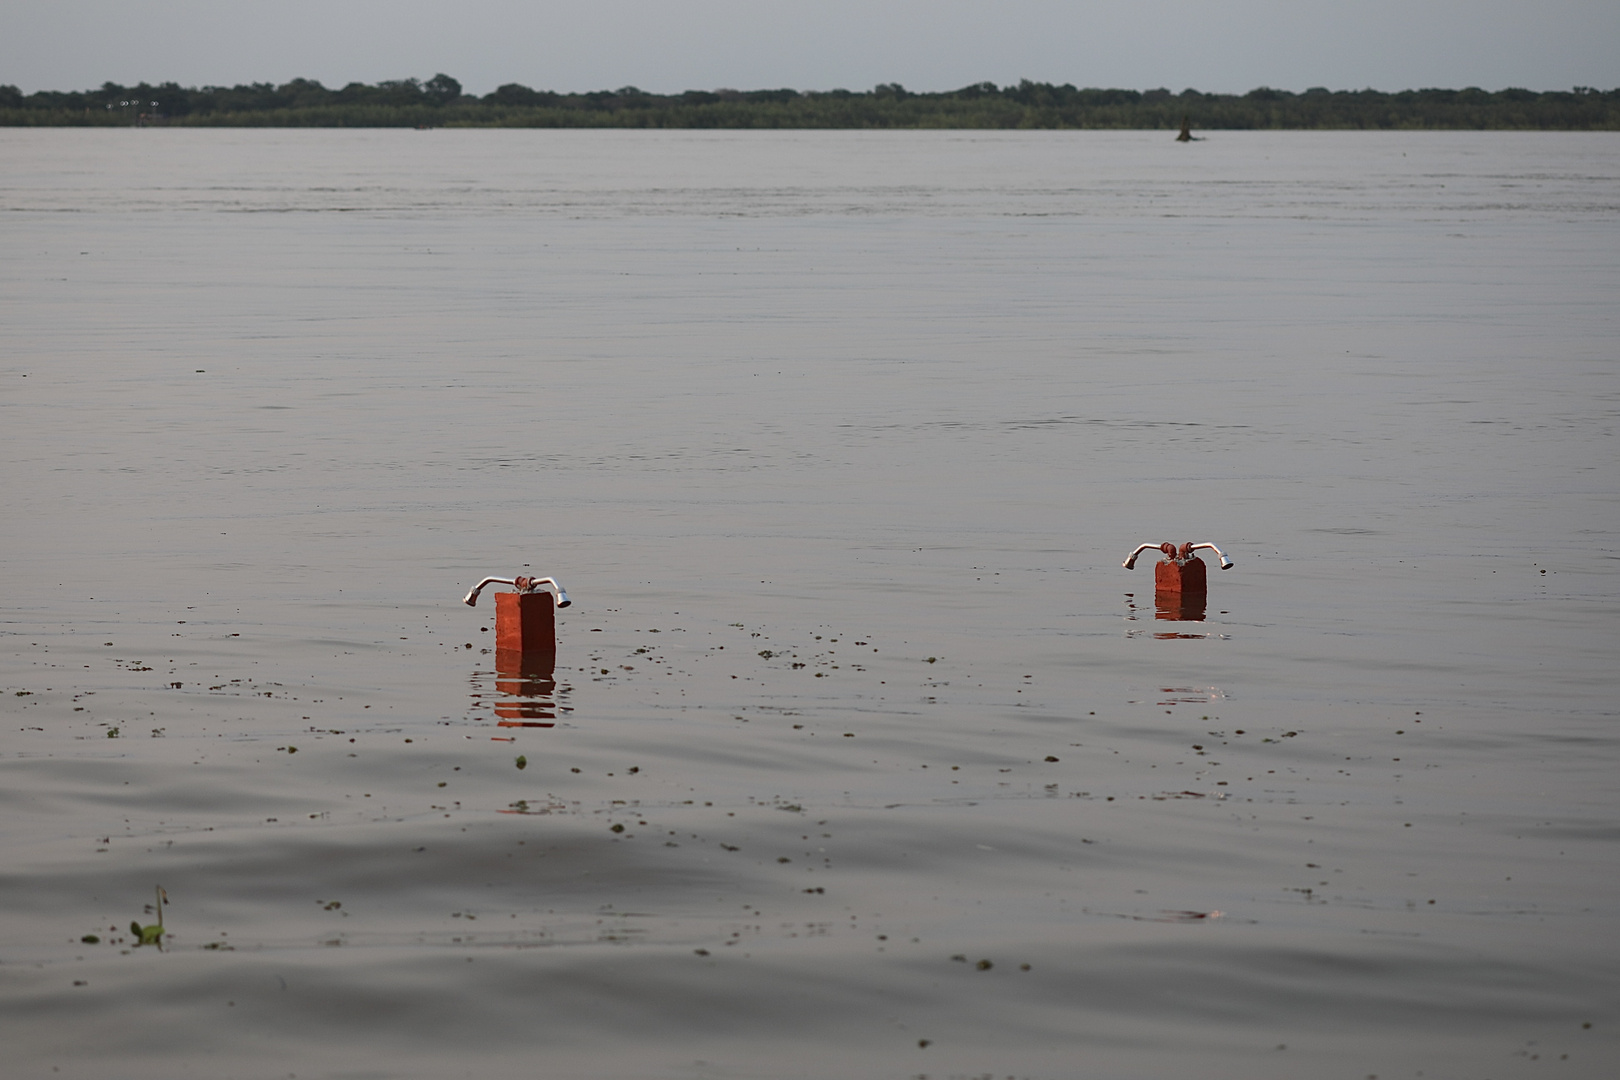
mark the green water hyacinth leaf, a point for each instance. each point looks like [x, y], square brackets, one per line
[151, 935]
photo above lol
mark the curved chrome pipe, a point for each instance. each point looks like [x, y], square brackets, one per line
[471, 599]
[562, 597]
[1170, 550]
[1226, 564]
[521, 584]
[1130, 563]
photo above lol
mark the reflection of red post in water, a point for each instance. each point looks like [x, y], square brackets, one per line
[527, 686]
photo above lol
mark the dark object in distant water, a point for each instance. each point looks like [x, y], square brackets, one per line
[1186, 130]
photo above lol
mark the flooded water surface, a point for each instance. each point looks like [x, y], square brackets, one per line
[860, 753]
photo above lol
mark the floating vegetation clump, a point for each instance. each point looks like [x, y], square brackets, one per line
[153, 934]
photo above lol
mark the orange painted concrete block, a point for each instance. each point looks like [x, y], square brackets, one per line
[525, 624]
[1180, 579]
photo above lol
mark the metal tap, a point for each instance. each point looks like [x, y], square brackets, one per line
[521, 584]
[1181, 554]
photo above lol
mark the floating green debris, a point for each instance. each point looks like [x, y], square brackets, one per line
[112, 733]
[522, 762]
[151, 935]
[91, 939]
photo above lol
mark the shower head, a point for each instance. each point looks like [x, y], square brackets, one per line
[521, 584]
[1168, 549]
[1226, 564]
[1184, 552]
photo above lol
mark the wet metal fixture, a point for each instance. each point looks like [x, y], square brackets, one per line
[1181, 573]
[528, 585]
[1184, 553]
[525, 620]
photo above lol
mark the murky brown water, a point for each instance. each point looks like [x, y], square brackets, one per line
[837, 441]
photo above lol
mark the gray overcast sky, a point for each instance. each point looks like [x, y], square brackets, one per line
[673, 45]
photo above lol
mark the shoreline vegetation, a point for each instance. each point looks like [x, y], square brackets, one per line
[440, 102]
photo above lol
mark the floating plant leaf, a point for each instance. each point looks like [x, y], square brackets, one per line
[151, 935]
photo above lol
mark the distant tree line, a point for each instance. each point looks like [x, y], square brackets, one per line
[440, 102]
